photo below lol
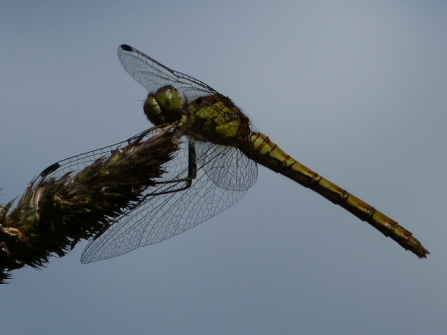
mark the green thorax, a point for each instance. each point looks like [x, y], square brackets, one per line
[212, 118]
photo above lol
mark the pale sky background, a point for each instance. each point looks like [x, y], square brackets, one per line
[356, 90]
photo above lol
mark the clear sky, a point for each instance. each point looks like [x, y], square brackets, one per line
[356, 90]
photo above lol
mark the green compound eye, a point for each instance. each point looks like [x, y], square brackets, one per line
[170, 102]
[165, 106]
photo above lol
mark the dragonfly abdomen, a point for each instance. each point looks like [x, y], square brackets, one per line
[267, 153]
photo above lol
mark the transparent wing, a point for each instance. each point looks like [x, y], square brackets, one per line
[76, 163]
[162, 216]
[236, 173]
[153, 75]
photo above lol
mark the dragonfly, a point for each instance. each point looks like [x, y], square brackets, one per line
[215, 167]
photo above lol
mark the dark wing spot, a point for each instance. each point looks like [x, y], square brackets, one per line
[49, 169]
[126, 47]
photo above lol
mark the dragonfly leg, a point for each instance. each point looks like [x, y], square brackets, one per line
[192, 172]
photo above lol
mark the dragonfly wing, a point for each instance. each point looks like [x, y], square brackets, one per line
[73, 165]
[153, 75]
[234, 172]
[160, 217]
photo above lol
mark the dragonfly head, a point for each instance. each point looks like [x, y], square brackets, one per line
[163, 106]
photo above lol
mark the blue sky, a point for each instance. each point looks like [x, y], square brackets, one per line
[354, 90]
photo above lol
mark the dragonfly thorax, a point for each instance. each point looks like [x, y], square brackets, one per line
[215, 118]
[163, 106]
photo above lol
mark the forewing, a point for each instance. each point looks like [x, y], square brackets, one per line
[153, 75]
[73, 165]
[160, 217]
